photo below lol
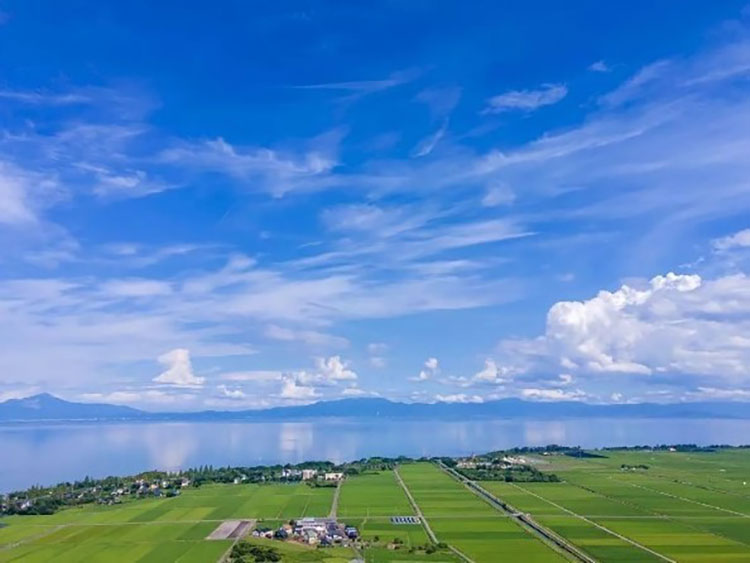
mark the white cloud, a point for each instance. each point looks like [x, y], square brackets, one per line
[552, 394]
[21, 192]
[354, 392]
[498, 195]
[179, 369]
[136, 288]
[565, 379]
[43, 98]
[526, 100]
[492, 374]
[740, 239]
[675, 325]
[428, 144]
[599, 66]
[459, 398]
[334, 369]
[255, 376]
[713, 393]
[363, 87]
[431, 368]
[293, 390]
[230, 393]
[273, 171]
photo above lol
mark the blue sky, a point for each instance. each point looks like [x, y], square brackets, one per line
[236, 204]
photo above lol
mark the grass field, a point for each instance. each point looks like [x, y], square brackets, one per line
[692, 507]
[373, 494]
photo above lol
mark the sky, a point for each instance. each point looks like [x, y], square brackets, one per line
[234, 205]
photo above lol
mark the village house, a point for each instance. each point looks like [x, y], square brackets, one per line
[333, 476]
[308, 474]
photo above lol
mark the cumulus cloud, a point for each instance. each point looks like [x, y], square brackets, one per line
[335, 369]
[492, 374]
[675, 325]
[179, 369]
[293, 390]
[526, 100]
[431, 367]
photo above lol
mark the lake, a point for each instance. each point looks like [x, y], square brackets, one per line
[49, 453]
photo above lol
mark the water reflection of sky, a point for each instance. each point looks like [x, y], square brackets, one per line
[45, 454]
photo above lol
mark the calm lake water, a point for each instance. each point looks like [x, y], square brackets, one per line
[47, 454]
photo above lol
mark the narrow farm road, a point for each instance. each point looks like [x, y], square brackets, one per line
[425, 523]
[335, 503]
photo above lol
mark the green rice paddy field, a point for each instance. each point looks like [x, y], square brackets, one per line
[692, 507]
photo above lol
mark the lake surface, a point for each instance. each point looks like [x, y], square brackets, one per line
[46, 454]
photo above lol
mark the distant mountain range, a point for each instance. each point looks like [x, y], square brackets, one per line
[46, 407]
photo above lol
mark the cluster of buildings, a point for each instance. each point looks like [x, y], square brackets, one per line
[96, 492]
[312, 531]
[311, 474]
[506, 462]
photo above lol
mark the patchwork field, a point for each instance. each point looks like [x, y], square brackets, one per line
[644, 506]
[155, 530]
[623, 506]
[460, 518]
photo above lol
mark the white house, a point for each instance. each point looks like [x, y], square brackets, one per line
[308, 474]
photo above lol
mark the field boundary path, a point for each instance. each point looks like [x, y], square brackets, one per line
[425, 523]
[28, 539]
[524, 520]
[684, 499]
[335, 502]
[603, 528]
